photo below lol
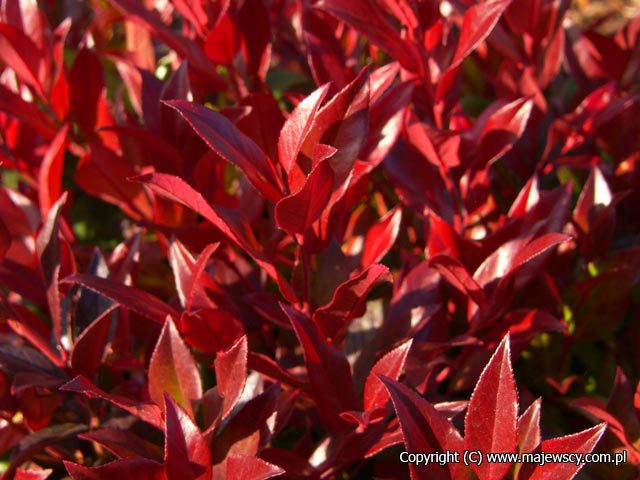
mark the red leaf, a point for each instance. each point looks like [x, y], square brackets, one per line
[130, 297]
[147, 412]
[173, 370]
[297, 127]
[491, 421]
[48, 251]
[348, 301]
[176, 189]
[457, 275]
[501, 131]
[477, 24]
[595, 194]
[529, 436]
[271, 369]
[210, 330]
[389, 366]
[381, 236]
[342, 123]
[582, 442]
[236, 228]
[187, 274]
[324, 51]
[223, 41]
[194, 283]
[329, 371]
[90, 347]
[186, 452]
[50, 174]
[5, 240]
[19, 52]
[128, 469]
[368, 19]
[32, 474]
[124, 443]
[86, 82]
[425, 429]
[231, 374]
[253, 20]
[244, 467]
[297, 212]
[226, 140]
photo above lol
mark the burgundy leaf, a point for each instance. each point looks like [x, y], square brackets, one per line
[89, 349]
[381, 236]
[173, 370]
[210, 330]
[50, 175]
[477, 24]
[244, 467]
[48, 249]
[389, 366]
[491, 421]
[147, 412]
[348, 301]
[369, 20]
[329, 371]
[124, 443]
[459, 277]
[529, 436]
[297, 212]
[502, 129]
[425, 429]
[342, 123]
[128, 469]
[231, 374]
[582, 442]
[232, 145]
[86, 83]
[130, 297]
[5, 240]
[186, 452]
[19, 52]
[297, 127]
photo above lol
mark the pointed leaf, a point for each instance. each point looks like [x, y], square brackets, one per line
[128, 469]
[227, 141]
[147, 412]
[459, 277]
[425, 429]
[231, 374]
[173, 370]
[297, 127]
[329, 371]
[48, 251]
[582, 442]
[381, 237]
[477, 24]
[529, 436]
[297, 212]
[124, 443]
[130, 297]
[348, 302]
[186, 452]
[244, 467]
[491, 421]
[389, 366]
[50, 174]
[210, 330]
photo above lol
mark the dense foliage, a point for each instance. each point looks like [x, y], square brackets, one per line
[287, 238]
